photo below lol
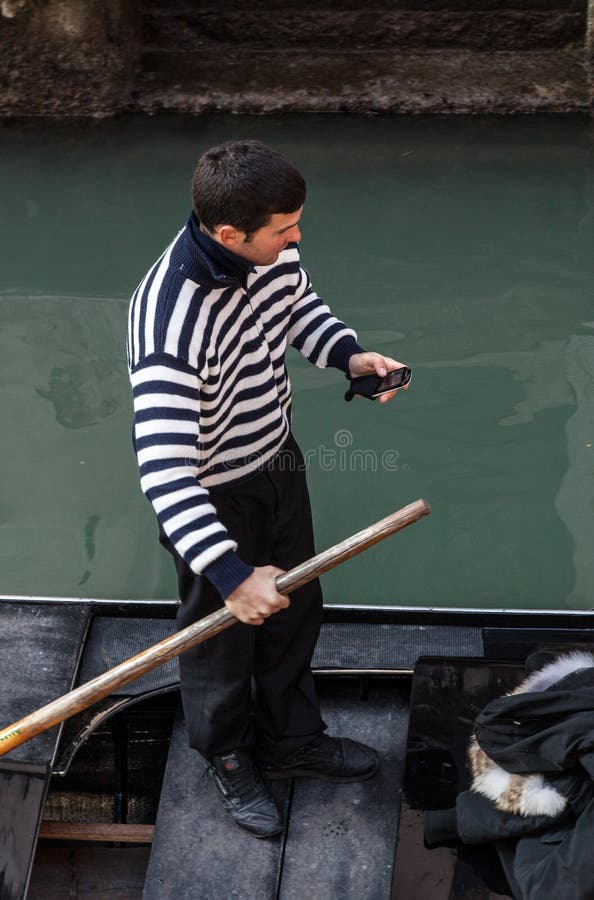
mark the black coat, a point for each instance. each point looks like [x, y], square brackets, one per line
[551, 732]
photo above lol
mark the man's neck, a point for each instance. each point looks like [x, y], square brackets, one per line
[228, 262]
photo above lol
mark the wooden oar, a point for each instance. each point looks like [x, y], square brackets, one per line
[99, 687]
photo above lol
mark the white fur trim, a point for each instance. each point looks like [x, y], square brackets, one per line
[491, 783]
[539, 799]
[555, 671]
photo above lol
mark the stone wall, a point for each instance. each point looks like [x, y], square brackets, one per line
[86, 57]
[408, 24]
[67, 57]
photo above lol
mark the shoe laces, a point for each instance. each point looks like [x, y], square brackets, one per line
[242, 781]
[245, 782]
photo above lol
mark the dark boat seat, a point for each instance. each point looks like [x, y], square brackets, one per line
[446, 696]
[41, 646]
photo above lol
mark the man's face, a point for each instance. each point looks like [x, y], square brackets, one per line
[262, 248]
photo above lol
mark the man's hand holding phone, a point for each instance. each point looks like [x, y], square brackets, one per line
[393, 376]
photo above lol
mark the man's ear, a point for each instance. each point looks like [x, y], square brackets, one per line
[228, 236]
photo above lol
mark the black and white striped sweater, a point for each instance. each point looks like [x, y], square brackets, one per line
[207, 335]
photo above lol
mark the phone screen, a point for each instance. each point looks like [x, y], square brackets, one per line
[393, 380]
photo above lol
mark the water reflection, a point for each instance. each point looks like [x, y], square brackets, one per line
[82, 393]
[574, 497]
[72, 519]
[77, 341]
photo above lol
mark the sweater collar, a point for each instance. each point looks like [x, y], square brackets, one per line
[203, 257]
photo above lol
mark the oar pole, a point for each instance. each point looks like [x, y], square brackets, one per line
[103, 685]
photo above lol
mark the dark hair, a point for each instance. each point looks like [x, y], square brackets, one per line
[243, 183]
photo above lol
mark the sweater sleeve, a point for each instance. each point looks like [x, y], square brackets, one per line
[316, 332]
[166, 436]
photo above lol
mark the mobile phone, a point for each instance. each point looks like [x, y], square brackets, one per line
[392, 381]
[372, 386]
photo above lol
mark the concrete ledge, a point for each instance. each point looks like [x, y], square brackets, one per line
[442, 81]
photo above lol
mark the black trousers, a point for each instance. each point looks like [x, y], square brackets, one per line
[251, 686]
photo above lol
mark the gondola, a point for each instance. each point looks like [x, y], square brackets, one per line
[113, 800]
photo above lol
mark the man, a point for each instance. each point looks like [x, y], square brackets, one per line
[208, 330]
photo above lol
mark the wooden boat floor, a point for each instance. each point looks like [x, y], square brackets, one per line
[88, 873]
[340, 839]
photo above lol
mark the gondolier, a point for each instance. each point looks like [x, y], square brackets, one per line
[208, 329]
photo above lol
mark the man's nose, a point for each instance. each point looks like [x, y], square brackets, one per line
[296, 234]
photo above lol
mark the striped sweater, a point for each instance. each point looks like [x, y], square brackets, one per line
[207, 334]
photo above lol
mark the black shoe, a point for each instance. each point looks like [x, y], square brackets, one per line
[334, 759]
[244, 794]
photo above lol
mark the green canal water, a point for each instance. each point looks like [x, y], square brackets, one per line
[461, 247]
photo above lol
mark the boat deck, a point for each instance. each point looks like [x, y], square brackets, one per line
[350, 841]
[340, 839]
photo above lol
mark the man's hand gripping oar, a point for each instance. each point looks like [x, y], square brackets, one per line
[99, 687]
